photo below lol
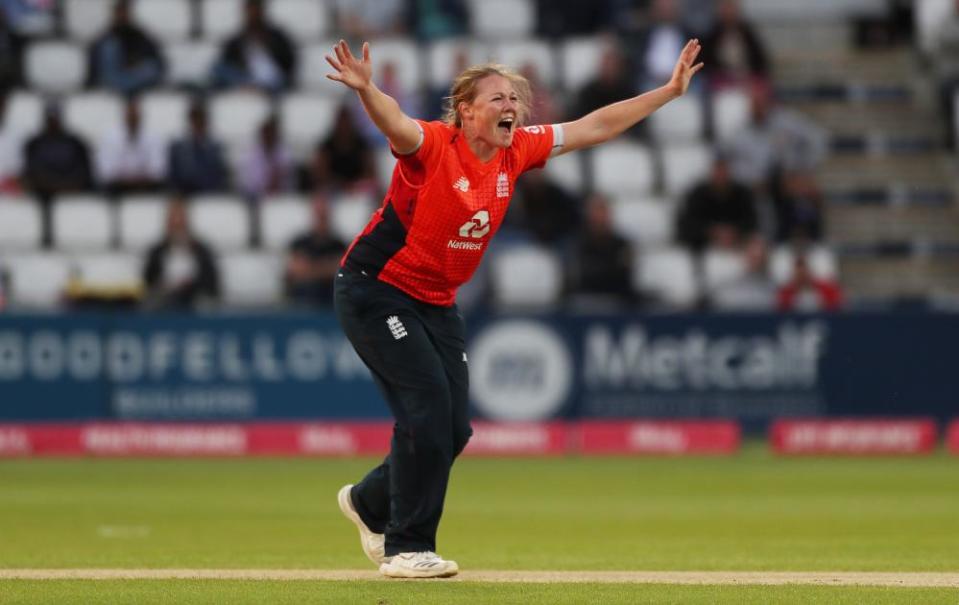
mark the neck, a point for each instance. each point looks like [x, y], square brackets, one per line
[480, 148]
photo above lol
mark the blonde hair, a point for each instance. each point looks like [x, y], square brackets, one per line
[464, 91]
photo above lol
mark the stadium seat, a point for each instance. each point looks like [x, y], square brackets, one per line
[306, 119]
[55, 67]
[109, 269]
[526, 276]
[349, 214]
[283, 218]
[24, 115]
[142, 221]
[222, 221]
[91, 115]
[929, 16]
[519, 53]
[37, 280]
[165, 114]
[567, 171]
[220, 19]
[684, 165]
[669, 274]
[251, 279]
[646, 222]
[822, 263]
[580, 59]
[84, 20]
[441, 59]
[164, 19]
[502, 18]
[312, 69]
[190, 63]
[20, 223]
[730, 109]
[404, 54]
[236, 116]
[621, 168]
[679, 121]
[385, 162]
[721, 267]
[304, 20]
[82, 222]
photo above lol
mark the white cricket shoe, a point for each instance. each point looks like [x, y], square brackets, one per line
[419, 565]
[374, 545]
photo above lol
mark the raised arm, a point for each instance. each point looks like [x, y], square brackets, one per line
[402, 131]
[610, 121]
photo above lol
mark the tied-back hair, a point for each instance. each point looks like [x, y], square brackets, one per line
[464, 91]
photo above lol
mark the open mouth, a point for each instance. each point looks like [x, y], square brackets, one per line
[506, 125]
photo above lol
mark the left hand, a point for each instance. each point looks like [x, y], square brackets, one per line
[685, 68]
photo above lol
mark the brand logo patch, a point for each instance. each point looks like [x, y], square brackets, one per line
[476, 227]
[462, 184]
[397, 329]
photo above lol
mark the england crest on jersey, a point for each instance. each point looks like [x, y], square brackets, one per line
[502, 185]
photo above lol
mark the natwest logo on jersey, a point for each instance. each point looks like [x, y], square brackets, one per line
[475, 228]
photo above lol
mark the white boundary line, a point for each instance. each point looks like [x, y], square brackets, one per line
[768, 578]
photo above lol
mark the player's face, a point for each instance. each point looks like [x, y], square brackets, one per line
[495, 111]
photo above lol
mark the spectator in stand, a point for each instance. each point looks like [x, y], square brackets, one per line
[11, 156]
[601, 263]
[752, 290]
[57, 161]
[31, 18]
[437, 97]
[268, 167]
[364, 19]
[661, 41]
[719, 212]
[131, 159]
[196, 161]
[613, 83]
[774, 141]
[180, 272]
[260, 56]
[125, 59]
[436, 19]
[390, 83]
[11, 55]
[344, 161]
[545, 109]
[798, 205]
[734, 52]
[807, 293]
[542, 209]
[314, 259]
[562, 18]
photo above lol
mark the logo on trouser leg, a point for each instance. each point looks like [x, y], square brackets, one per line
[397, 329]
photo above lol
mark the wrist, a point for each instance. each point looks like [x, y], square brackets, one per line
[673, 89]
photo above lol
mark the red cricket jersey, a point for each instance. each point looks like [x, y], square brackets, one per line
[442, 208]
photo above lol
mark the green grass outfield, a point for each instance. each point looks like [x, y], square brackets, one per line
[752, 512]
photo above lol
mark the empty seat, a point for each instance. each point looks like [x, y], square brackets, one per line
[251, 279]
[82, 222]
[236, 116]
[142, 221]
[84, 20]
[722, 268]
[24, 114]
[164, 19]
[91, 115]
[304, 20]
[405, 57]
[221, 221]
[109, 269]
[190, 63]
[55, 67]
[165, 114]
[520, 53]
[669, 274]
[680, 120]
[283, 218]
[731, 109]
[441, 58]
[622, 168]
[220, 18]
[306, 119]
[820, 260]
[580, 59]
[350, 214]
[37, 280]
[20, 223]
[526, 276]
[312, 69]
[684, 166]
[645, 221]
[502, 18]
[567, 171]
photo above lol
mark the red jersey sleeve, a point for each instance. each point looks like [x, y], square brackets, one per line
[534, 144]
[414, 166]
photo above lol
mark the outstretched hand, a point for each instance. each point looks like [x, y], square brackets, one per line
[686, 67]
[355, 73]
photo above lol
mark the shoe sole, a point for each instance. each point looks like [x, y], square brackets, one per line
[409, 574]
[346, 507]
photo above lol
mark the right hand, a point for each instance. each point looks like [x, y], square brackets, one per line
[355, 73]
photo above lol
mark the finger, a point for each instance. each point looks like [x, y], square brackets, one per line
[695, 69]
[346, 50]
[336, 64]
[339, 52]
[335, 77]
[694, 54]
[366, 52]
